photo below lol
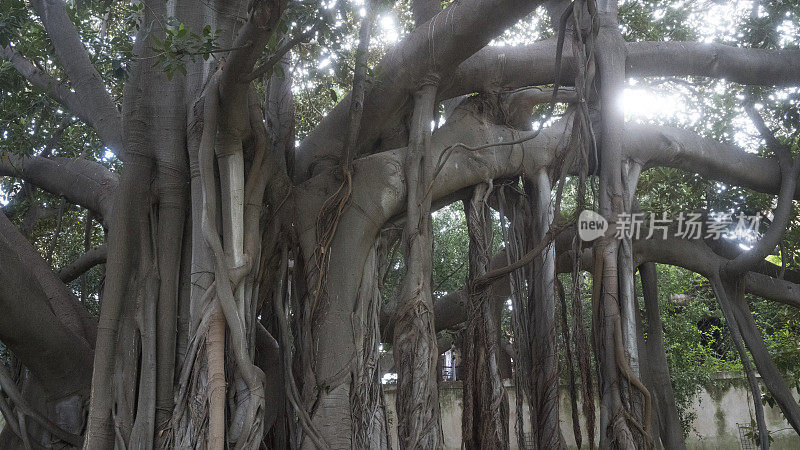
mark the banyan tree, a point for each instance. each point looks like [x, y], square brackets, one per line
[245, 246]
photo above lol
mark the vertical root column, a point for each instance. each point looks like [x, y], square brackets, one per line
[230, 267]
[485, 415]
[215, 355]
[419, 423]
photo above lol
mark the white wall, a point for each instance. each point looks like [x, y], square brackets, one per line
[719, 409]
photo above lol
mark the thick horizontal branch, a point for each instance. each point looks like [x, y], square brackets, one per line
[379, 188]
[754, 66]
[484, 154]
[663, 146]
[431, 51]
[493, 69]
[451, 309]
[80, 181]
[378, 177]
[499, 68]
[84, 262]
[698, 257]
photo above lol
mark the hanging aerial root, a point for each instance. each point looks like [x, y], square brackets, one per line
[292, 393]
[720, 288]
[223, 285]
[326, 226]
[518, 325]
[619, 352]
[565, 334]
[625, 370]
[492, 275]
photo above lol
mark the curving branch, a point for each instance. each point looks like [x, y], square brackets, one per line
[90, 90]
[450, 309]
[250, 42]
[39, 78]
[83, 263]
[42, 322]
[686, 150]
[433, 50]
[80, 181]
[379, 176]
[700, 258]
[782, 214]
[650, 146]
[497, 68]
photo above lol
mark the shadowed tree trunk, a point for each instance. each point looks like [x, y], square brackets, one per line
[485, 414]
[669, 424]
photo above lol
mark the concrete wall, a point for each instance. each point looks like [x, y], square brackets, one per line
[718, 410]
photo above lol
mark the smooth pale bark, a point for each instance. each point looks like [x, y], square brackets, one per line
[650, 146]
[755, 66]
[614, 427]
[131, 288]
[507, 67]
